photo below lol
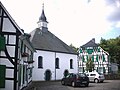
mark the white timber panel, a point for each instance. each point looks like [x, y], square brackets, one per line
[12, 39]
[11, 50]
[7, 26]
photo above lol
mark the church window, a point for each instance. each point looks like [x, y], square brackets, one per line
[40, 62]
[71, 63]
[57, 63]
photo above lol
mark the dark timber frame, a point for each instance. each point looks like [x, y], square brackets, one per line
[12, 59]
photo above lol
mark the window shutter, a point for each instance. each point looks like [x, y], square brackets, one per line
[87, 57]
[2, 43]
[98, 49]
[97, 69]
[103, 57]
[90, 51]
[93, 58]
[81, 51]
[83, 59]
[97, 58]
[103, 69]
[2, 76]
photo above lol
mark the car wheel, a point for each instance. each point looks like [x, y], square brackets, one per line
[86, 85]
[62, 82]
[73, 84]
[101, 81]
[96, 80]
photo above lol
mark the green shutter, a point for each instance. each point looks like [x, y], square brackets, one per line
[2, 76]
[87, 57]
[103, 57]
[98, 49]
[83, 59]
[103, 69]
[96, 58]
[81, 51]
[2, 43]
[89, 51]
[97, 69]
[93, 58]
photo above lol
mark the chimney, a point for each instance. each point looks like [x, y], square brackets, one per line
[93, 40]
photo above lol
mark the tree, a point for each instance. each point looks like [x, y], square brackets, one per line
[74, 48]
[89, 65]
[112, 46]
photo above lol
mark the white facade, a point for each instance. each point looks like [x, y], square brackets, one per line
[49, 58]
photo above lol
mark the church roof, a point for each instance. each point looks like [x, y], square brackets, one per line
[91, 43]
[45, 40]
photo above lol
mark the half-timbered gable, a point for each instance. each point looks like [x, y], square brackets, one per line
[14, 43]
[99, 57]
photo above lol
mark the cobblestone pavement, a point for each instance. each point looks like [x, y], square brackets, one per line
[56, 85]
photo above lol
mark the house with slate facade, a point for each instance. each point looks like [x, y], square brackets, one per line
[99, 57]
[53, 58]
[16, 54]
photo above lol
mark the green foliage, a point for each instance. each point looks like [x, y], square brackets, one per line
[112, 46]
[74, 48]
[89, 65]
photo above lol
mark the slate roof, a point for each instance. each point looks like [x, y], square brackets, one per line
[45, 40]
[91, 43]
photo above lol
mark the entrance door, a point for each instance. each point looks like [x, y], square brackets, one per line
[47, 75]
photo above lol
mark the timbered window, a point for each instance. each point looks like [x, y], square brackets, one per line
[40, 62]
[2, 43]
[2, 76]
[71, 63]
[57, 63]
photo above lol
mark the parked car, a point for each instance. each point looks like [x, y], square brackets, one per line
[95, 77]
[75, 79]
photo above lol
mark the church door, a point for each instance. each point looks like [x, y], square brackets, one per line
[47, 75]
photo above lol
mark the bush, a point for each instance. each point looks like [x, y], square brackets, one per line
[112, 76]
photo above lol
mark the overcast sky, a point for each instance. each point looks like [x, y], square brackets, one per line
[73, 21]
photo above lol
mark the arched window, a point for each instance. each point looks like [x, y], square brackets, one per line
[40, 62]
[71, 63]
[57, 63]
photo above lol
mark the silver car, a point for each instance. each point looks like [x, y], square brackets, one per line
[95, 77]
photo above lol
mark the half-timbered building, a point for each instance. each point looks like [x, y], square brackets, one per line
[16, 54]
[99, 57]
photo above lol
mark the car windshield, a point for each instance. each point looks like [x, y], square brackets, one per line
[82, 75]
[100, 73]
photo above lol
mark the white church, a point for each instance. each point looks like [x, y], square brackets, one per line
[53, 58]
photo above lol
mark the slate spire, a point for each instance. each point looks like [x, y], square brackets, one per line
[42, 23]
[43, 17]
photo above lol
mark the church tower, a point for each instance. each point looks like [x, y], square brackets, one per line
[42, 23]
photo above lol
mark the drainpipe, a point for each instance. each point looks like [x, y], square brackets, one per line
[55, 65]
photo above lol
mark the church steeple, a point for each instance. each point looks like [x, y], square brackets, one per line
[42, 23]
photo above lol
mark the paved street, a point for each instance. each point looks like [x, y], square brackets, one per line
[107, 85]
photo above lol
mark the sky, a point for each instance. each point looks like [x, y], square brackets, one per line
[73, 21]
